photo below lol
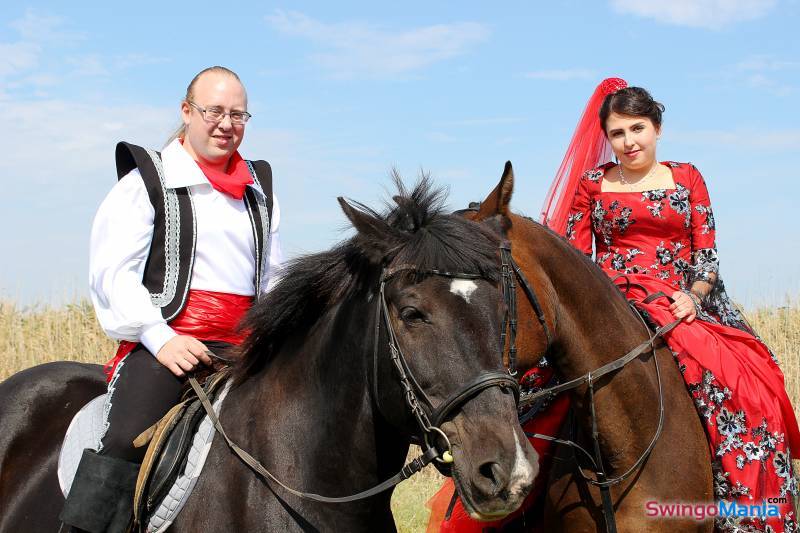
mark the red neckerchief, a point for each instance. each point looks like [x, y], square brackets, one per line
[231, 182]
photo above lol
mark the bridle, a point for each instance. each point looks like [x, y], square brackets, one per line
[601, 480]
[428, 417]
[510, 272]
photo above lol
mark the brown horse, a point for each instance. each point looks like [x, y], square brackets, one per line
[592, 324]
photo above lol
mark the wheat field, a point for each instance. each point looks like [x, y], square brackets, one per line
[38, 334]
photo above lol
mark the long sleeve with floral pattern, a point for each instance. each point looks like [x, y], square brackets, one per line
[579, 229]
[705, 263]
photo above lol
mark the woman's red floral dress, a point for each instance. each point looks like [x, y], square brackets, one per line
[663, 239]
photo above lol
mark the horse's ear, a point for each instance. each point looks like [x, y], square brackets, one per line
[497, 203]
[374, 235]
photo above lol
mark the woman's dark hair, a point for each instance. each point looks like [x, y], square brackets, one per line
[632, 101]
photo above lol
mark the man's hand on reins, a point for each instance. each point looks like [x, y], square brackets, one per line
[182, 354]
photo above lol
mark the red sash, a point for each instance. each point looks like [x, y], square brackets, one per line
[207, 316]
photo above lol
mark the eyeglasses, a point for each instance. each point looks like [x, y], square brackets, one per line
[215, 114]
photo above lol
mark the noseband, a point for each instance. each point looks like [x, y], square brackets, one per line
[430, 418]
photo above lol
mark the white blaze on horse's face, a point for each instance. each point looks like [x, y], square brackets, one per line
[522, 473]
[463, 287]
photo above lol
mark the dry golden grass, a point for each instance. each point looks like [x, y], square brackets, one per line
[40, 334]
[43, 334]
[779, 327]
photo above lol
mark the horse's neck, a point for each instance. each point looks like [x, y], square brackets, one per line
[311, 406]
[595, 327]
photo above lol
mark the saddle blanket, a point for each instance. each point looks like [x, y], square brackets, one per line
[86, 430]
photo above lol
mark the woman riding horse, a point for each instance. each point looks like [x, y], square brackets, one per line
[749, 462]
[653, 226]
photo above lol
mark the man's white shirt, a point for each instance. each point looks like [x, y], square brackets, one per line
[122, 232]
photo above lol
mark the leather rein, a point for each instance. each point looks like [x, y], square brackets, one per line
[600, 480]
[428, 417]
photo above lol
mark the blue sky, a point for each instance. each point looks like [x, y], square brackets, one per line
[342, 92]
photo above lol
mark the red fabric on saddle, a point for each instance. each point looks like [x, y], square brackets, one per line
[207, 316]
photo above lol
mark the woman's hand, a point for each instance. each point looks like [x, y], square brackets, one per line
[182, 354]
[683, 307]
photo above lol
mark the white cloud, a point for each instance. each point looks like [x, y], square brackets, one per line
[19, 60]
[36, 26]
[767, 83]
[562, 74]
[17, 57]
[766, 63]
[77, 138]
[710, 14]
[47, 53]
[749, 138]
[440, 137]
[764, 72]
[357, 49]
[489, 121]
[58, 163]
[91, 65]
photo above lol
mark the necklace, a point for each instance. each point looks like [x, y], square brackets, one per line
[624, 180]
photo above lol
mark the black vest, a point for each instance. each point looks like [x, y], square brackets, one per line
[168, 269]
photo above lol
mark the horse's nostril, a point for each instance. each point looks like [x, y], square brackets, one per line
[495, 474]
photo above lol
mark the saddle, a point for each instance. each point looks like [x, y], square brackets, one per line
[168, 442]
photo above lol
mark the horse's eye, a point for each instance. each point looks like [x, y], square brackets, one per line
[411, 314]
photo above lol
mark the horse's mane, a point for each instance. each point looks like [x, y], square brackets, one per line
[412, 229]
[560, 246]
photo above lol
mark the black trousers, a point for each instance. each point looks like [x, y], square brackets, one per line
[142, 392]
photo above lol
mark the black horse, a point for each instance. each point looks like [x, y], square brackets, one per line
[316, 397]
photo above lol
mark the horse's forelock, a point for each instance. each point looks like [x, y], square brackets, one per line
[413, 230]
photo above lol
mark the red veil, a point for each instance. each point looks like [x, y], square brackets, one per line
[588, 149]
